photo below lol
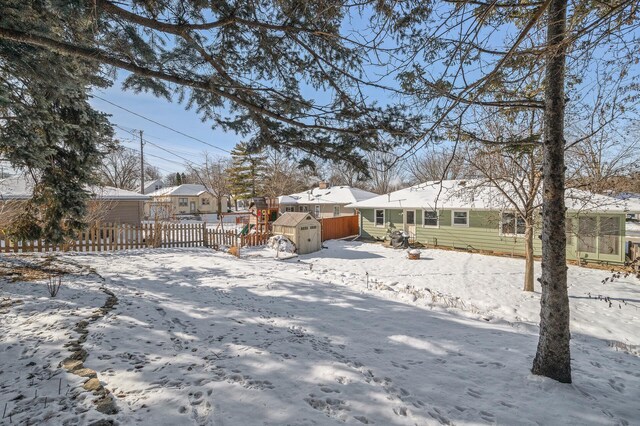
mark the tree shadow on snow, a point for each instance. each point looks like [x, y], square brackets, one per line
[251, 349]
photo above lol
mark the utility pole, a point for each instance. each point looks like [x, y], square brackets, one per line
[141, 163]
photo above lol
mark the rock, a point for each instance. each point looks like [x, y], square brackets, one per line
[85, 372]
[79, 355]
[92, 385]
[71, 364]
[106, 405]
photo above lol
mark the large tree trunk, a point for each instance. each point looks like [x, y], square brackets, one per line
[528, 253]
[553, 355]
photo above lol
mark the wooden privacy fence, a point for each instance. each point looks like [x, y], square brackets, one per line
[339, 227]
[110, 237]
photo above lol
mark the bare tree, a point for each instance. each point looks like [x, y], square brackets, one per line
[341, 173]
[213, 175]
[603, 161]
[386, 172]
[433, 165]
[282, 175]
[151, 172]
[121, 169]
[514, 173]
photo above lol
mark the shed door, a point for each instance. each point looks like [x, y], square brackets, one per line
[308, 238]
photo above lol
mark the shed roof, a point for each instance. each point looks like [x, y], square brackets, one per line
[292, 218]
[473, 194]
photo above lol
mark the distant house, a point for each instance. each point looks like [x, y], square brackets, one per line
[449, 214]
[154, 185]
[108, 205]
[181, 200]
[324, 201]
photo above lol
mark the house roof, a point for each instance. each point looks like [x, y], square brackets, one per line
[292, 218]
[259, 203]
[20, 187]
[150, 186]
[331, 195]
[476, 195]
[184, 190]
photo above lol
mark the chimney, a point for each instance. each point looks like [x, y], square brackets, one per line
[323, 185]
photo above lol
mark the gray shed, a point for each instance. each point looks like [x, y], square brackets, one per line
[301, 228]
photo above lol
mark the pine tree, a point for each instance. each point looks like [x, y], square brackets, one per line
[48, 129]
[245, 173]
[246, 67]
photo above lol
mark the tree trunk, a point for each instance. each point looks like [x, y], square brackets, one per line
[553, 358]
[528, 253]
[219, 206]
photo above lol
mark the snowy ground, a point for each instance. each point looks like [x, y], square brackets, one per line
[200, 337]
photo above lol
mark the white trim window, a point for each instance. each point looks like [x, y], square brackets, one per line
[304, 209]
[317, 210]
[460, 218]
[336, 211]
[205, 201]
[183, 202]
[289, 209]
[379, 217]
[430, 219]
[512, 224]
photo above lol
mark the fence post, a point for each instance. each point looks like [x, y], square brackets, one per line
[205, 243]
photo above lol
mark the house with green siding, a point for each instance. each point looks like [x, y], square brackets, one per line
[466, 215]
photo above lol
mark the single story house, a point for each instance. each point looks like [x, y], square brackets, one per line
[468, 215]
[182, 199]
[108, 205]
[324, 201]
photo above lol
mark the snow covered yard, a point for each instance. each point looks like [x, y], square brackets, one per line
[200, 337]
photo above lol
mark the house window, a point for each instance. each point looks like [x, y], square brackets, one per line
[380, 217]
[512, 224]
[205, 201]
[317, 211]
[609, 236]
[460, 218]
[304, 208]
[430, 218]
[183, 202]
[587, 234]
[336, 210]
[289, 209]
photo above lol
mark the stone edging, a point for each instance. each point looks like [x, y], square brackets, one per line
[75, 362]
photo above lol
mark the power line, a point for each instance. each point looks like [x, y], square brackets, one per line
[160, 147]
[155, 156]
[162, 125]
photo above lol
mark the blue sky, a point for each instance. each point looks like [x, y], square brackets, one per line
[171, 114]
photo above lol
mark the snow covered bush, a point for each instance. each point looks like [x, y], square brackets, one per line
[282, 244]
